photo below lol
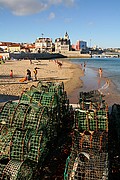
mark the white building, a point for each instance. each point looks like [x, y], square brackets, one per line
[43, 45]
[4, 45]
[62, 44]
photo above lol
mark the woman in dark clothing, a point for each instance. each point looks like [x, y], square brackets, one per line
[29, 75]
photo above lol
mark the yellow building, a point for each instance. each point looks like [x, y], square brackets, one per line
[15, 47]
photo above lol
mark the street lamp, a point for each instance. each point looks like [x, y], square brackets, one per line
[42, 42]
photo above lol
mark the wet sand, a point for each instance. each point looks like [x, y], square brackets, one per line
[91, 81]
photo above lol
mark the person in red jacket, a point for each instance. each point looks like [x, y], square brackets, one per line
[11, 73]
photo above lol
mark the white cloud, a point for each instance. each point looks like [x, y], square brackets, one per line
[23, 7]
[51, 16]
[27, 7]
[66, 2]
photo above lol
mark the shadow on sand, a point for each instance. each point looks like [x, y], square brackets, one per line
[5, 98]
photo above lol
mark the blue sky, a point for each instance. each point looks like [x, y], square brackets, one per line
[94, 21]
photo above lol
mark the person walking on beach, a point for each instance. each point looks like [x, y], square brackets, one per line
[30, 61]
[100, 72]
[35, 73]
[59, 64]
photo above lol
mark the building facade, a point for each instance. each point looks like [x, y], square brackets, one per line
[80, 45]
[14, 47]
[4, 45]
[62, 44]
[43, 45]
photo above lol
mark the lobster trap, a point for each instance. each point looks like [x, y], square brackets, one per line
[92, 100]
[18, 170]
[28, 128]
[89, 157]
[91, 119]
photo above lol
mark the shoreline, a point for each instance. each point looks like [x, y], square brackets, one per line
[92, 81]
[75, 80]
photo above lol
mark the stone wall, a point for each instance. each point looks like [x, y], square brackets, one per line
[36, 55]
[75, 54]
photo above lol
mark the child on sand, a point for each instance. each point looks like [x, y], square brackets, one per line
[11, 73]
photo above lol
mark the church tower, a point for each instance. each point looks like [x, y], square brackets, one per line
[66, 36]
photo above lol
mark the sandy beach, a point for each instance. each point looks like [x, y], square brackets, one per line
[75, 80]
[48, 70]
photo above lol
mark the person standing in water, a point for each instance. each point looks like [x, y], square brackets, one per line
[100, 72]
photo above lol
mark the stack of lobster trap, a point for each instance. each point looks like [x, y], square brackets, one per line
[29, 127]
[88, 159]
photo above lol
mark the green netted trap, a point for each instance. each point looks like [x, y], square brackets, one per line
[89, 157]
[30, 96]
[19, 114]
[19, 144]
[37, 118]
[92, 100]
[43, 86]
[37, 149]
[45, 94]
[29, 127]
[86, 166]
[7, 112]
[49, 99]
[91, 95]
[5, 141]
[102, 119]
[51, 87]
[91, 119]
[24, 116]
[15, 170]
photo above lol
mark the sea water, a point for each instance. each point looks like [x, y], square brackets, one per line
[110, 66]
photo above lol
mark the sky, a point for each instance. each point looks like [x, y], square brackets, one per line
[95, 21]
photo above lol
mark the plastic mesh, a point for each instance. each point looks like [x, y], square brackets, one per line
[89, 158]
